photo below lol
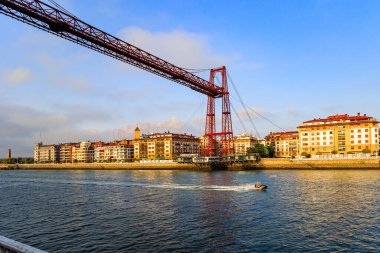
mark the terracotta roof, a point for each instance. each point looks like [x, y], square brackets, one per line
[340, 117]
[284, 133]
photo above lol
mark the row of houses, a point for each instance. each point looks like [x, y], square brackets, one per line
[84, 152]
[339, 134]
[154, 146]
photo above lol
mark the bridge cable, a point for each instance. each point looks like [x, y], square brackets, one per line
[61, 8]
[243, 104]
[238, 116]
[192, 116]
[259, 114]
[196, 70]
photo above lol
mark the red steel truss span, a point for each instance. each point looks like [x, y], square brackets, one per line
[66, 25]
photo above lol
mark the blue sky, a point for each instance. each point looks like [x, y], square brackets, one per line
[291, 61]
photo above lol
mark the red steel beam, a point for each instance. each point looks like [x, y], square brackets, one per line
[65, 25]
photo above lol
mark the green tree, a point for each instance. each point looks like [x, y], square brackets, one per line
[259, 149]
[271, 151]
[366, 151]
[307, 155]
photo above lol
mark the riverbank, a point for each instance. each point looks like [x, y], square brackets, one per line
[264, 164]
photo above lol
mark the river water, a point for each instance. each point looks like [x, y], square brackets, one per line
[176, 211]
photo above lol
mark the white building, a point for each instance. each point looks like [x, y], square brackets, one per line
[46, 153]
[83, 154]
[114, 152]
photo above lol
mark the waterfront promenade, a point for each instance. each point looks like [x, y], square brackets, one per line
[263, 164]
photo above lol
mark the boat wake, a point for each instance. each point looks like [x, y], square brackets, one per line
[46, 182]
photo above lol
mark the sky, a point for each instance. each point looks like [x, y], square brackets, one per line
[290, 60]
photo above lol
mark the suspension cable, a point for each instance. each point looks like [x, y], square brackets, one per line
[60, 7]
[238, 116]
[247, 107]
[243, 104]
[196, 70]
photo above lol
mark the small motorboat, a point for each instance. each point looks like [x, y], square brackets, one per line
[259, 186]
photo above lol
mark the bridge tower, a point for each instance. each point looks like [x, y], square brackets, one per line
[218, 143]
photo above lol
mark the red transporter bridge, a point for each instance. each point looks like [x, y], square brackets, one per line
[58, 21]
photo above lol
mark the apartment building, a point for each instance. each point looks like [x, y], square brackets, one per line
[46, 153]
[117, 151]
[286, 144]
[164, 146]
[243, 142]
[84, 153]
[66, 152]
[340, 134]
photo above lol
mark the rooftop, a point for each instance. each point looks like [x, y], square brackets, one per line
[341, 117]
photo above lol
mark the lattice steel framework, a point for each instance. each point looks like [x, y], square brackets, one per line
[224, 139]
[67, 26]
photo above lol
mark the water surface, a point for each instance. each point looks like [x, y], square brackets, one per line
[177, 211]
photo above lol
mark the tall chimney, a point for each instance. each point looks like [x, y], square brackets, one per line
[9, 153]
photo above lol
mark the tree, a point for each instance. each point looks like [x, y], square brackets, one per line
[271, 151]
[259, 149]
[366, 151]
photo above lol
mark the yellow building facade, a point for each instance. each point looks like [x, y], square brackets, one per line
[243, 142]
[164, 146]
[286, 144]
[340, 134]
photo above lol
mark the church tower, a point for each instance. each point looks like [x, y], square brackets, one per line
[137, 133]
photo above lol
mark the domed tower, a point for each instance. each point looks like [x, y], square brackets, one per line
[137, 133]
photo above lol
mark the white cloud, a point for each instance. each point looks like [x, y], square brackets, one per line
[16, 76]
[172, 124]
[57, 68]
[182, 48]
[294, 112]
[254, 113]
